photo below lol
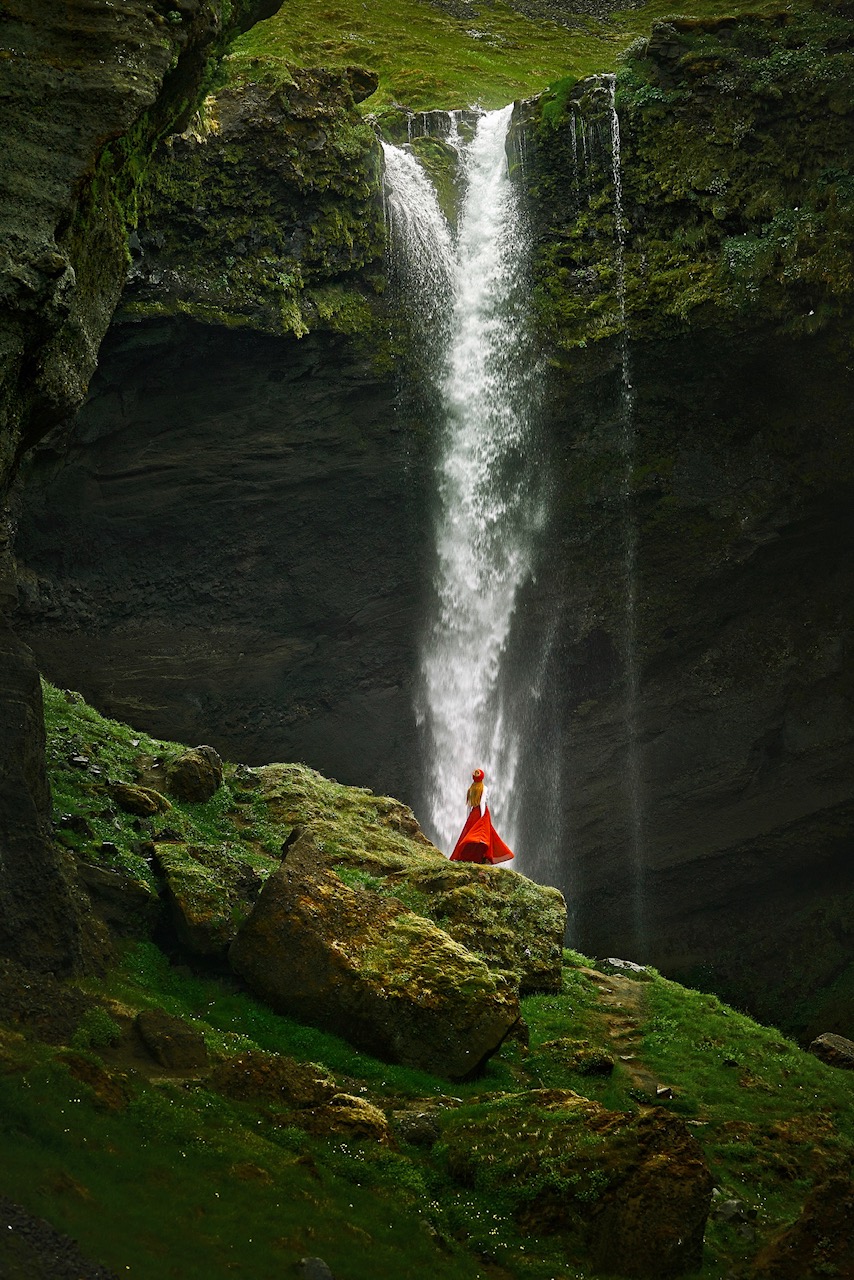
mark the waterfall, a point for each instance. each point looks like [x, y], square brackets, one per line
[489, 492]
[424, 249]
[631, 694]
[488, 511]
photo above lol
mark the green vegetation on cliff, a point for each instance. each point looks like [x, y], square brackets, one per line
[284, 1141]
[737, 186]
[435, 55]
[266, 212]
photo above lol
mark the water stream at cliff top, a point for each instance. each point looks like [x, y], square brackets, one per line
[489, 495]
[631, 696]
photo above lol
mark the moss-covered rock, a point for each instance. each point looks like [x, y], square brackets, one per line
[633, 1192]
[211, 892]
[253, 1076]
[737, 198]
[267, 211]
[386, 979]
[104, 82]
[374, 843]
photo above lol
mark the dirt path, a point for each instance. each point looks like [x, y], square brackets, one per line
[621, 1006]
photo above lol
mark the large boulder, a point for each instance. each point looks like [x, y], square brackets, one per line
[171, 1041]
[196, 775]
[508, 920]
[389, 981]
[630, 1193]
[511, 922]
[819, 1243]
[836, 1051]
[210, 893]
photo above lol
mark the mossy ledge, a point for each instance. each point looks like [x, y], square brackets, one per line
[282, 1141]
[736, 212]
[267, 211]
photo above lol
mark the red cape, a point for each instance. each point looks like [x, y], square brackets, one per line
[479, 842]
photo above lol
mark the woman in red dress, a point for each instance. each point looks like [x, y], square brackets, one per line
[478, 841]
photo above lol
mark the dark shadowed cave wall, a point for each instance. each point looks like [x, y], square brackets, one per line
[87, 92]
[229, 542]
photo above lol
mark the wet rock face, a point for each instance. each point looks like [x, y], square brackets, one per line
[39, 911]
[716, 846]
[91, 73]
[257, 528]
[266, 210]
[94, 71]
[744, 474]
[389, 981]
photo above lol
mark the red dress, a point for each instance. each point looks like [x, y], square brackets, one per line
[479, 842]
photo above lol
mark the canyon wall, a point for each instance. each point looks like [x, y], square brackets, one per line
[229, 543]
[710, 823]
[87, 91]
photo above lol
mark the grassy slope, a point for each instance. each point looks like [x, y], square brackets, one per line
[177, 1180]
[426, 59]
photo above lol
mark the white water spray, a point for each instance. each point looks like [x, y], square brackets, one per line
[489, 508]
[489, 493]
[426, 255]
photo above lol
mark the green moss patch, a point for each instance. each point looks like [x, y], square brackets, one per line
[733, 209]
[428, 57]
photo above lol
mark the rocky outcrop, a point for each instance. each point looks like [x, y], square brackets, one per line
[836, 1051]
[107, 80]
[632, 1191]
[266, 212]
[511, 922]
[270, 1077]
[210, 893]
[382, 977]
[171, 1041]
[195, 776]
[39, 917]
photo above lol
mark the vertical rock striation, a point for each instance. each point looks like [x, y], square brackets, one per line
[86, 90]
[738, 201]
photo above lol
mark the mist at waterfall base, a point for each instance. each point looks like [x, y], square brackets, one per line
[483, 677]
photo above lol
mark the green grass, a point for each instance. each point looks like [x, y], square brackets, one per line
[231, 1020]
[772, 1119]
[255, 1187]
[426, 59]
[184, 1184]
[257, 1190]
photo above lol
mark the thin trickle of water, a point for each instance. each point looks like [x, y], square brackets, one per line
[631, 700]
[489, 505]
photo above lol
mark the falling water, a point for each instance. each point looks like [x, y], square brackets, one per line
[489, 503]
[425, 255]
[631, 698]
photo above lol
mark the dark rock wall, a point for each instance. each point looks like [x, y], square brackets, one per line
[709, 826]
[743, 632]
[86, 89]
[236, 529]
